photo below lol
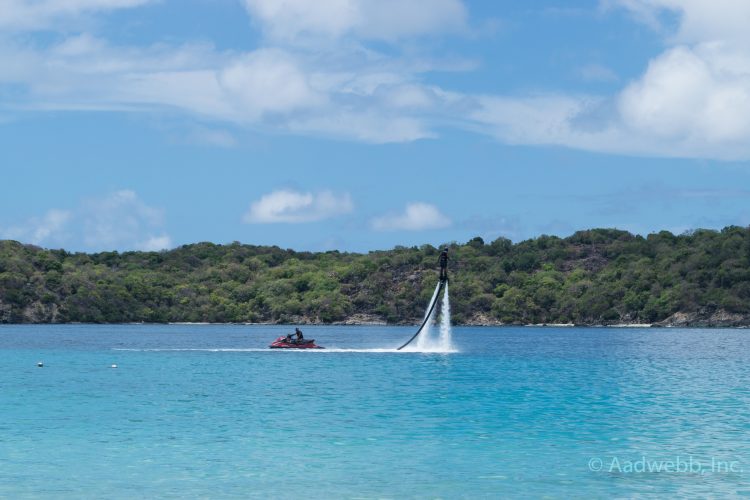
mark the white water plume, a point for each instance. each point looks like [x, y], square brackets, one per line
[424, 337]
[445, 341]
[426, 341]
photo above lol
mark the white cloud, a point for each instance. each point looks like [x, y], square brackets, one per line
[388, 20]
[267, 81]
[694, 97]
[610, 126]
[415, 217]
[287, 206]
[116, 221]
[37, 230]
[698, 96]
[529, 120]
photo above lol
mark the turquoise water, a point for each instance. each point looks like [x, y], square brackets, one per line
[207, 411]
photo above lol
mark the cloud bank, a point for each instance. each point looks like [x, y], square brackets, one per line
[321, 70]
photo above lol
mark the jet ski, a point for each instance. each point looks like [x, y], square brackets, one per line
[287, 343]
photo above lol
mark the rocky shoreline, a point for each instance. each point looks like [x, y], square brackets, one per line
[706, 317]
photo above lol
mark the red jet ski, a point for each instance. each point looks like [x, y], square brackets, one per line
[288, 343]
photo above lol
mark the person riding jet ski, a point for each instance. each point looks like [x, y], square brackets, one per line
[299, 337]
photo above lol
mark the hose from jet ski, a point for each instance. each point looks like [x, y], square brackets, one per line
[427, 317]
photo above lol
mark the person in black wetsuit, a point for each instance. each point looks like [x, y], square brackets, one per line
[298, 332]
[443, 261]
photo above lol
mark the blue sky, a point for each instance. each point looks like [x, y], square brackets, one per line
[364, 124]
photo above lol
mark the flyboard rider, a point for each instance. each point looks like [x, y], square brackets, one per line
[443, 261]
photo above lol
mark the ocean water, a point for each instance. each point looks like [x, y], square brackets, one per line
[206, 411]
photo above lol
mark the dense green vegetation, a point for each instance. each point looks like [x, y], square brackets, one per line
[598, 276]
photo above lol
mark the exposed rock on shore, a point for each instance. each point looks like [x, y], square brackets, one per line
[706, 318]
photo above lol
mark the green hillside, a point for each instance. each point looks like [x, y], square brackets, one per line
[599, 276]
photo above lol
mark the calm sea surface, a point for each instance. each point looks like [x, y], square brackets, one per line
[207, 411]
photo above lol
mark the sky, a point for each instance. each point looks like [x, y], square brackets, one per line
[360, 125]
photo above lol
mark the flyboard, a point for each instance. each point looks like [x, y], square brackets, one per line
[441, 285]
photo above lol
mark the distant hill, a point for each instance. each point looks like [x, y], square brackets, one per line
[594, 277]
